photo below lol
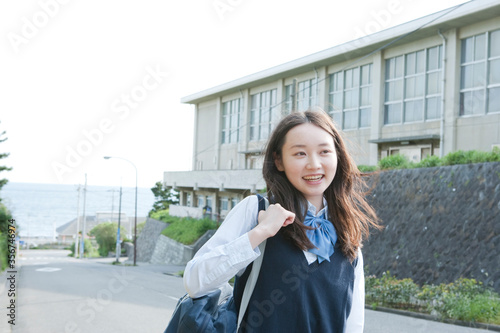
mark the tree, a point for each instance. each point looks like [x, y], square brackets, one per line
[3, 168]
[164, 197]
[105, 236]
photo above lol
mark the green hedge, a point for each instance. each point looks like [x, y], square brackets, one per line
[465, 299]
[457, 157]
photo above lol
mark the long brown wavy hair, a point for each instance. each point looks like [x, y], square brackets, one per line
[348, 210]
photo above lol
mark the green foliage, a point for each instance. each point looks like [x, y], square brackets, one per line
[3, 251]
[164, 197]
[105, 236]
[471, 156]
[187, 230]
[429, 162]
[5, 216]
[367, 168]
[465, 299]
[89, 251]
[159, 215]
[3, 168]
[390, 291]
[394, 162]
[457, 157]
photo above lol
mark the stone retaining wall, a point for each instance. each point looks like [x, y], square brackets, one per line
[146, 242]
[170, 252]
[440, 224]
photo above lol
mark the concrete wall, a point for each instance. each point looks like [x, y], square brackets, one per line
[440, 224]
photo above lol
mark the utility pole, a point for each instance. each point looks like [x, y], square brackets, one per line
[112, 203]
[84, 219]
[118, 243]
[77, 221]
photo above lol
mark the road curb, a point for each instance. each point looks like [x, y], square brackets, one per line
[418, 315]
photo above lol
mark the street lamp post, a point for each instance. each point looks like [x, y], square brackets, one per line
[135, 221]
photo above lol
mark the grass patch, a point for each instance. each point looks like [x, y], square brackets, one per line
[187, 230]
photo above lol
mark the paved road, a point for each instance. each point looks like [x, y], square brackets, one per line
[56, 293]
[60, 294]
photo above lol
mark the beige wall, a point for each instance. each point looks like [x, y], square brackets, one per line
[206, 141]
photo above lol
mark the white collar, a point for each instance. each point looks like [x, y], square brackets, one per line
[312, 209]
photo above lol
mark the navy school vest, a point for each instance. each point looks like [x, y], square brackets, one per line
[292, 296]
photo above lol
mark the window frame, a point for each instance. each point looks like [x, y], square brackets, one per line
[339, 89]
[231, 121]
[484, 87]
[263, 113]
[399, 98]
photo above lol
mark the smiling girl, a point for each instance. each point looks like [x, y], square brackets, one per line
[311, 278]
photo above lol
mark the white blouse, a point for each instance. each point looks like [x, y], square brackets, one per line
[229, 252]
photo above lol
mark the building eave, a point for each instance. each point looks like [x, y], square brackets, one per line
[406, 139]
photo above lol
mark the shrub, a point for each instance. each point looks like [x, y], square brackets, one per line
[429, 162]
[159, 215]
[471, 156]
[105, 236]
[367, 168]
[389, 291]
[394, 162]
[465, 299]
[89, 251]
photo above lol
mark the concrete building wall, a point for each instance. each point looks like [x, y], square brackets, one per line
[206, 142]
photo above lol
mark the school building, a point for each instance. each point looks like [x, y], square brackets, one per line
[427, 87]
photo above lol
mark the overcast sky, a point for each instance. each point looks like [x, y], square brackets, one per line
[80, 80]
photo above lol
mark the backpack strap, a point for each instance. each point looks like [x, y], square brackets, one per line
[254, 274]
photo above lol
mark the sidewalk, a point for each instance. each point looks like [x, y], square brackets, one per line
[385, 322]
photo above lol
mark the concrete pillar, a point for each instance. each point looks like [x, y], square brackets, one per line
[378, 98]
[451, 92]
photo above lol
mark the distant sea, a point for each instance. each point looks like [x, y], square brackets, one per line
[40, 208]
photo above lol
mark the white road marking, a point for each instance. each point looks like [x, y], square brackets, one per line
[48, 269]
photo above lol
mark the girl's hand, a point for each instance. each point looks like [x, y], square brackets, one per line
[270, 222]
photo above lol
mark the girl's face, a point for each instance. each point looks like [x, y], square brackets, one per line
[309, 160]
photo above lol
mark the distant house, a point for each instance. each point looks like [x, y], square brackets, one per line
[427, 87]
[66, 233]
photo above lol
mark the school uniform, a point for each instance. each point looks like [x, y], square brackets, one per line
[294, 292]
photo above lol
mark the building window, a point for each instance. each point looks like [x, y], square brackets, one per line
[234, 202]
[231, 121]
[201, 201]
[263, 114]
[223, 202]
[480, 74]
[350, 97]
[413, 86]
[306, 94]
